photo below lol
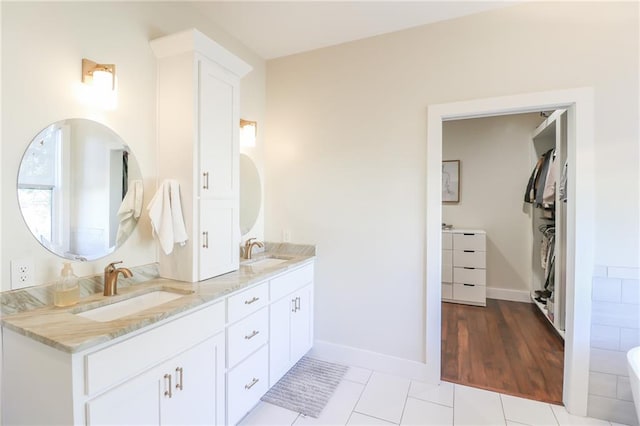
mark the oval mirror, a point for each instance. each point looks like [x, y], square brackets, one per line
[250, 193]
[79, 189]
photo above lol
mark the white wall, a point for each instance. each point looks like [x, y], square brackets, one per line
[496, 159]
[349, 123]
[42, 47]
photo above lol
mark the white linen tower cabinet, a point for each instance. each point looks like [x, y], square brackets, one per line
[198, 131]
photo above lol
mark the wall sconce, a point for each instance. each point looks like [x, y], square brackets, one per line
[248, 132]
[100, 76]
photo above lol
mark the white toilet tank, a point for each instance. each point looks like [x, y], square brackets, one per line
[633, 362]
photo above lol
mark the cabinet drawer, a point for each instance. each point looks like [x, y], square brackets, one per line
[246, 336]
[291, 281]
[447, 241]
[471, 293]
[470, 276]
[246, 384]
[469, 241]
[242, 304]
[470, 258]
[447, 266]
[447, 291]
[123, 360]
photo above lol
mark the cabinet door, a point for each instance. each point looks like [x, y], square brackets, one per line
[197, 386]
[219, 238]
[279, 352]
[218, 124]
[136, 402]
[301, 323]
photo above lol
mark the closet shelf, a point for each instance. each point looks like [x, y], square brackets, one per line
[543, 309]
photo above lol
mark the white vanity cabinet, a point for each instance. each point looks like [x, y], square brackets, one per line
[209, 365]
[464, 271]
[198, 131]
[173, 373]
[291, 320]
[179, 391]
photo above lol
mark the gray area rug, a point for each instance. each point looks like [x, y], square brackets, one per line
[307, 387]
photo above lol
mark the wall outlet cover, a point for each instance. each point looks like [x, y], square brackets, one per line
[22, 272]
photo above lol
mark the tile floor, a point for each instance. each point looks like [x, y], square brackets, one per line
[366, 397]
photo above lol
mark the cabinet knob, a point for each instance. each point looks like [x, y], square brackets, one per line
[167, 391]
[205, 180]
[252, 384]
[179, 380]
[252, 335]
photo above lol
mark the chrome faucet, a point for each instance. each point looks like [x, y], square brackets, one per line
[248, 246]
[111, 278]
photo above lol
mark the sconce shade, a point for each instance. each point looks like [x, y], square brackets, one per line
[248, 132]
[101, 76]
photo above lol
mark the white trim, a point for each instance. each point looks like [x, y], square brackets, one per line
[580, 223]
[348, 355]
[508, 294]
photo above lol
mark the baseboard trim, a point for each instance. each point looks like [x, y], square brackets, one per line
[508, 294]
[349, 355]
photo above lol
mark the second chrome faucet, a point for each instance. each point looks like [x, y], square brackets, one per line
[111, 278]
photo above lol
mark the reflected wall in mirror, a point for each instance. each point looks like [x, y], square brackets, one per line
[250, 193]
[79, 189]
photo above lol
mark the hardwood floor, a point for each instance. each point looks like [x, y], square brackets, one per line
[506, 347]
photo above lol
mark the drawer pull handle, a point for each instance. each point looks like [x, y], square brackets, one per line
[252, 384]
[205, 239]
[179, 384]
[298, 303]
[294, 305]
[168, 392]
[468, 267]
[253, 299]
[252, 335]
[468, 233]
[469, 285]
[205, 180]
[469, 251]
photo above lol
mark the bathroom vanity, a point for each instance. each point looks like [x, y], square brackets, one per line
[203, 357]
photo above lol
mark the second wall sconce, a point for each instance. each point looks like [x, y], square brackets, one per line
[101, 76]
[248, 132]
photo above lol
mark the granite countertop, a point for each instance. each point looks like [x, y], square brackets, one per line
[61, 329]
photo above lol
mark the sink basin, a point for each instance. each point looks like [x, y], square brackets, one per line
[129, 306]
[267, 262]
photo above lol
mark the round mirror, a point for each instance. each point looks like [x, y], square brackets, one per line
[79, 189]
[250, 193]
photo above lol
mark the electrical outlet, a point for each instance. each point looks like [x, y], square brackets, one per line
[286, 236]
[22, 271]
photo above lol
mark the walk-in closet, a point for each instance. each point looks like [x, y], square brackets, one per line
[506, 188]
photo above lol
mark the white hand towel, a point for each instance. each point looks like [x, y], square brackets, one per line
[165, 212]
[129, 211]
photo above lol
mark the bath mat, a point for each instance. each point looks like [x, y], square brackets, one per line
[307, 387]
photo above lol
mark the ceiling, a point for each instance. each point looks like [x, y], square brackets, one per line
[275, 29]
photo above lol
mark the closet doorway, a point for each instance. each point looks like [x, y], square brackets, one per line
[579, 263]
[493, 336]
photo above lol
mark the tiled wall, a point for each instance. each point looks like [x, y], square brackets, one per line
[615, 328]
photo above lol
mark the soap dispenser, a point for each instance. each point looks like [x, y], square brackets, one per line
[67, 290]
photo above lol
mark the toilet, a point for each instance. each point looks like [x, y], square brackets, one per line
[633, 362]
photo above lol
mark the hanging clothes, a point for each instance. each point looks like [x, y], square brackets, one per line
[534, 192]
[562, 191]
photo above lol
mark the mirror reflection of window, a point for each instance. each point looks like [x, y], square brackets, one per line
[38, 186]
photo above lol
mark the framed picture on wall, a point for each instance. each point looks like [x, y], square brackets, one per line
[451, 181]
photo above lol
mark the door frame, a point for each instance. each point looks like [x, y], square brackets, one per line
[580, 224]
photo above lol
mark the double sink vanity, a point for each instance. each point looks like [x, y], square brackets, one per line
[162, 351]
[203, 343]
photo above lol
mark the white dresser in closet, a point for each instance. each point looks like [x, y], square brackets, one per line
[464, 270]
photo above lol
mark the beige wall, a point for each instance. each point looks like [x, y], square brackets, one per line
[42, 47]
[349, 123]
[496, 157]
